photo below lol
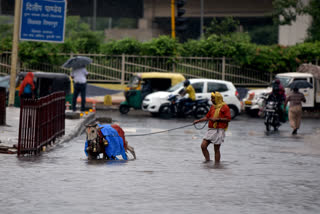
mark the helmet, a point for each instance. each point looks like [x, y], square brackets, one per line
[186, 83]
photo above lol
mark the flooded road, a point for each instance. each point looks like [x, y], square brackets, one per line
[260, 172]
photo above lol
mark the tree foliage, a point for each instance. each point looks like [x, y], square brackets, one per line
[238, 46]
[314, 30]
[225, 26]
[286, 12]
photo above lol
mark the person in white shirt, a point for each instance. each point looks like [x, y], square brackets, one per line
[79, 76]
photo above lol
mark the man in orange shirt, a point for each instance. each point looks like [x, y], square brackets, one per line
[219, 117]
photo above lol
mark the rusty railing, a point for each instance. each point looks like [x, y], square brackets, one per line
[41, 122]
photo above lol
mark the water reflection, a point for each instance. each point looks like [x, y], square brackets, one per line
[258, 174]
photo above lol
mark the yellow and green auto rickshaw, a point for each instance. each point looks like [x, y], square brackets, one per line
[47, 83]
[142, 84]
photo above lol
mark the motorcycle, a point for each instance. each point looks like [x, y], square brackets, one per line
[271, 115]
[198, 108]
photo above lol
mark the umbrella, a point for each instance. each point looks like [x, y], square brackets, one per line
[77, 62]
[300, 84]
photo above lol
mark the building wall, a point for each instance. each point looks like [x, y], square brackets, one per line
[154, 10]
[296, 32]
[212, 8]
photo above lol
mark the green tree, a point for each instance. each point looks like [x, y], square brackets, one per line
[286, 11]
[225, 26]
[314, 29]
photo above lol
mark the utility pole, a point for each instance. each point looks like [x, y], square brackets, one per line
[94, 15]
[14, 55]
[201, 19]
[173, 21]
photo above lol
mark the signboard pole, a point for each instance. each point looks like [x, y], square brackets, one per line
[173, 22]
[14, 56]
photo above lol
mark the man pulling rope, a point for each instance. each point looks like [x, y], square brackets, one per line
[219, 117]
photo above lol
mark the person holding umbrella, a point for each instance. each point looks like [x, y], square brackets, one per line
[79, 74]
[295, 110]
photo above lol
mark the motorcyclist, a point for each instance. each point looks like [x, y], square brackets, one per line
[277, 84]
[277, 95]
[188, 89]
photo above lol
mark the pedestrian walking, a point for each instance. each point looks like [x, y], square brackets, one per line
[295, 109]
[219, 118]
[79, 76]
[27, 87]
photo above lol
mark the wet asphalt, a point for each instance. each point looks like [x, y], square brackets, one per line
[260, 172]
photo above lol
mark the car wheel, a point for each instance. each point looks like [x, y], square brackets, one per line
[165, 111]
[124, 109]
[200, 112]
[153, 114]
[233, 111]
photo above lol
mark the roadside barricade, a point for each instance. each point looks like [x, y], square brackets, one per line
[2, 106]
[41, 122]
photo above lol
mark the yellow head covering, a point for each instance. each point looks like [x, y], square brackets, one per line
[218, 100]
[218, 105]
[212, 94]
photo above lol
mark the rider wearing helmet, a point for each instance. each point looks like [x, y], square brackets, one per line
[278, 95]
[188, 89]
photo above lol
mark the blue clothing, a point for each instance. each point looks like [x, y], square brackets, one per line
[27, 89]
[115, 146]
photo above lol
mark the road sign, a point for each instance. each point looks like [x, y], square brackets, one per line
[43, 20]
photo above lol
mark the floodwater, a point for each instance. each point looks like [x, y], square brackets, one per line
[260, 173]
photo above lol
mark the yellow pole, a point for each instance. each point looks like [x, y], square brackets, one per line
[173, 22]
[14, 56]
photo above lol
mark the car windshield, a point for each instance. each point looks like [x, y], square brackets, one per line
[284, 81]
[175, 87]
[4, 81]
[134, 81]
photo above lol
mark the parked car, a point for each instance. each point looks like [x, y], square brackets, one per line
[203, 87]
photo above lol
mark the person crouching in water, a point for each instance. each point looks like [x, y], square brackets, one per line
[219, 118]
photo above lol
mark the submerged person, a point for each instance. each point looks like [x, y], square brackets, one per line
[219, 117]
[295, 110]
[27, 87]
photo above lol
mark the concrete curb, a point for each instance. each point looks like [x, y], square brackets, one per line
[80, 128]
[73, 128]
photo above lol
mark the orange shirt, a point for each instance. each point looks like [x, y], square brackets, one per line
[224, 113]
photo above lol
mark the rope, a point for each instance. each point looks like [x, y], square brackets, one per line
[181, 127]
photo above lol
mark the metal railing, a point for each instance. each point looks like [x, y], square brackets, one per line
[118, 68]
[41, 122]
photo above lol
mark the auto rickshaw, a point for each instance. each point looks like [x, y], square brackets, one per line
[47, 83]
[142, 84]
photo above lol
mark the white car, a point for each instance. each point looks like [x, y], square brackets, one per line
[203, 87]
